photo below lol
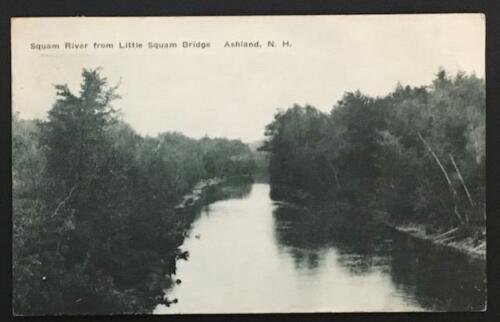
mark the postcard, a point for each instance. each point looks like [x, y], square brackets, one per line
[248, 164]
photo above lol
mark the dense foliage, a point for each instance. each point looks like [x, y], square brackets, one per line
[95, 225]
[417, 153]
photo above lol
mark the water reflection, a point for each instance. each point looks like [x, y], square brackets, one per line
[432, 277]
[360, 249]
[438, 278]
[254, 255]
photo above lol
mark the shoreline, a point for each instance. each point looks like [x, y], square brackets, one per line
[456, 239]
[196, 194]
[462, 244]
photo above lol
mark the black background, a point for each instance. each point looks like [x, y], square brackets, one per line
[47, 8]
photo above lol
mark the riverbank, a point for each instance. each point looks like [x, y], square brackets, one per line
[468, 240]
[213, 189]
[471, 242]
[195, 196]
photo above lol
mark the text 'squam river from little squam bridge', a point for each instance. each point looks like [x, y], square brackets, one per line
[250, 254]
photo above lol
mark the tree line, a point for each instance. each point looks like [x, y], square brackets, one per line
[95, 229]
[417, 154]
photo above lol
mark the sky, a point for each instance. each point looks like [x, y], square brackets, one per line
[234, 92]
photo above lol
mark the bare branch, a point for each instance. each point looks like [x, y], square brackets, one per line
[443, 170]
[462, 180]
[65, 200]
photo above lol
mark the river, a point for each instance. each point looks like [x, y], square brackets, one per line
[250, 254]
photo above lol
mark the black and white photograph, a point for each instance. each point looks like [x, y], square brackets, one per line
[248, 164]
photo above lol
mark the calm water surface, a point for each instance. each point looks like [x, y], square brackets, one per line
[251, 254]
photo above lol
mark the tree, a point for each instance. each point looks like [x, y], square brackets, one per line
[103, 235]
[417, 153]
